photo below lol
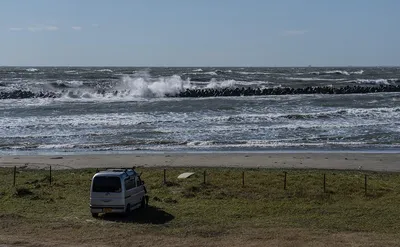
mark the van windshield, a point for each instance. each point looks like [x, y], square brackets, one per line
[107, 184]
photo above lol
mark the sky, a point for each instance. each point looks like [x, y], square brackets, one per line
[199, 33]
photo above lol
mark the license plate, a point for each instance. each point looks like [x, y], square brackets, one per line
[107, 210]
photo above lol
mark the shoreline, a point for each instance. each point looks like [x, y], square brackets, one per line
[368, 161]
[138, 152]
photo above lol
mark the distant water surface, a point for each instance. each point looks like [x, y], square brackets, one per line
[132, 114]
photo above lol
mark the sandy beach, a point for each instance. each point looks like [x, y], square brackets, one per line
[348, 161]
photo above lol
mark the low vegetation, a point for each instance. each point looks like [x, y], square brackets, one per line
[221, 207]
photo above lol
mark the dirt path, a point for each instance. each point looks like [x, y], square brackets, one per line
[243, 237]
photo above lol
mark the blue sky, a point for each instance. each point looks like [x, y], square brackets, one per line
[199, 33]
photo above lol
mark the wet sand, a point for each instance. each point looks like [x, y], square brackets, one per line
[341, 161]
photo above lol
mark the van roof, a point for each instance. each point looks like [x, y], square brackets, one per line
[117, 172]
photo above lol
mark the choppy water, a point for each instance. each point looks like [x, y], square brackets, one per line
[132, 113]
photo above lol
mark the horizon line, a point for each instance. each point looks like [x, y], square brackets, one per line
[208, 66]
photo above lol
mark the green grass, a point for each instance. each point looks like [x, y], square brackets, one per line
[222, 205]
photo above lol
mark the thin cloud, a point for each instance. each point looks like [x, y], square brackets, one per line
[294, 32]
[77, 28]
[39, 28]
[51, 28]
[95, 25]
[16, 29]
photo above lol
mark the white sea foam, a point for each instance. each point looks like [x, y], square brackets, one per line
[145, 86]
[311, 79]
[294, 120]
[221, 84]
[197, 70]
[360, 72]
[32, 70]
[104, 70]
[200, 143]
[70, 72]
[85, 121]
[56, 146]
[338, 72]
[375, 81]
[268, 144]
[73, 83]
[258, 73]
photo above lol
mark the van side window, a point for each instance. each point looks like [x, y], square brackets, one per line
[129, 183]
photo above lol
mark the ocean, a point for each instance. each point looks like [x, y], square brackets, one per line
[73, 110]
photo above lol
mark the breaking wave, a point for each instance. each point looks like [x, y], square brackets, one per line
[311, 79]
[338, 72]
[32, 70]
[70, 72]
[147, 87]
[144, 85]
[66, 84]
[104, 70]
[339, 113]
[377, 81]
[256, 73]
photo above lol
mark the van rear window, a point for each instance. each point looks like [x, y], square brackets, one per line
[107, 184]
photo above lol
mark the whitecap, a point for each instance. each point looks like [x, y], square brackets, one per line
[105, 70]
[32, 70]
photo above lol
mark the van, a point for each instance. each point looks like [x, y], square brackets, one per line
[116, 191]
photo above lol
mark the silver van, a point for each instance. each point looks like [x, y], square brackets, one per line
[116, 191]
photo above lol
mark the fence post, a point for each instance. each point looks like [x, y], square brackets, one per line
[50, 175]
[165, 176]
[205, 174]
[243, 178]
[324, 182]
[284, 181]
[365, 183]
[15, 171]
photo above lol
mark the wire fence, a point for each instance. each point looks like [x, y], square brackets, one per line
[246, 177]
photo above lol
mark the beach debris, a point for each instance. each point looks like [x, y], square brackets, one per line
[185, 175]
[57, 158]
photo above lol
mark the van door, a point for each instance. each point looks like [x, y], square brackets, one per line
[106, 192]
[129, 191]
[139, 191]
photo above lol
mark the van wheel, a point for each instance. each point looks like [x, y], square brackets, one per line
[143, 203]
[128, 210]
[95, 215]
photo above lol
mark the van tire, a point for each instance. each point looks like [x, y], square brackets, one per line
[95, 215]
[128, 210]
[143, 203]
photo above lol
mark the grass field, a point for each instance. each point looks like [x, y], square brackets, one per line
[221, 212]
